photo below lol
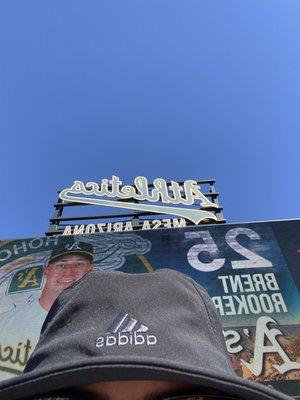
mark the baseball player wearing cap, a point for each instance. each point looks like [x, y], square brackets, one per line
[20, 327]
[118, 336]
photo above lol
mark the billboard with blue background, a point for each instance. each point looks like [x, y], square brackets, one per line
[250, 270]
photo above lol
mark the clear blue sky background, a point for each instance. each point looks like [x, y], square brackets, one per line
[162, 88]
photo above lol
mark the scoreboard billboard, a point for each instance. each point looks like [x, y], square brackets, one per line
[250, 270]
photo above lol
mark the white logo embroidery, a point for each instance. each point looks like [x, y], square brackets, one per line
[126, 330]
[74, 246]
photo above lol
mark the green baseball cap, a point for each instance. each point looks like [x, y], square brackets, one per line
[71, 246]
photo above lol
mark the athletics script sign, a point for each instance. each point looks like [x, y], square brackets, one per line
[166, 197]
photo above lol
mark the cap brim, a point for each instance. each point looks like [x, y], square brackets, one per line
[35, 383]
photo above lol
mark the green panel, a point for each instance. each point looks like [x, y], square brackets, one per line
[26, 279]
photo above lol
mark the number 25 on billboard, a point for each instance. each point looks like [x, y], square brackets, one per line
[252, 260]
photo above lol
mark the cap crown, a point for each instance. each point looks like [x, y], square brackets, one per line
[162, 317]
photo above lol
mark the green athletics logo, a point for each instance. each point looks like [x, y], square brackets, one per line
[14, 358]
[26, 279]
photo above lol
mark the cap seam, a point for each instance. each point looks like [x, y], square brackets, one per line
[204, 303]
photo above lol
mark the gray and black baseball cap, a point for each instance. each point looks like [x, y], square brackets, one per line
[114, 326]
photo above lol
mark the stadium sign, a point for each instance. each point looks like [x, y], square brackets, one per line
[250, 270]
[185, 195]
[123, 226]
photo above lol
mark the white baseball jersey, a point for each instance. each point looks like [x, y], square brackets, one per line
[19, 333]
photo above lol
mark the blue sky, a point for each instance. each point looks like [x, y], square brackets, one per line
[173, 89]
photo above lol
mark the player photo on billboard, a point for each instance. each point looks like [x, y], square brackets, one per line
[20, 327]
[32, 276]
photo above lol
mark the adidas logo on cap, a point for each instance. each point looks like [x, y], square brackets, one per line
[126, 330]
